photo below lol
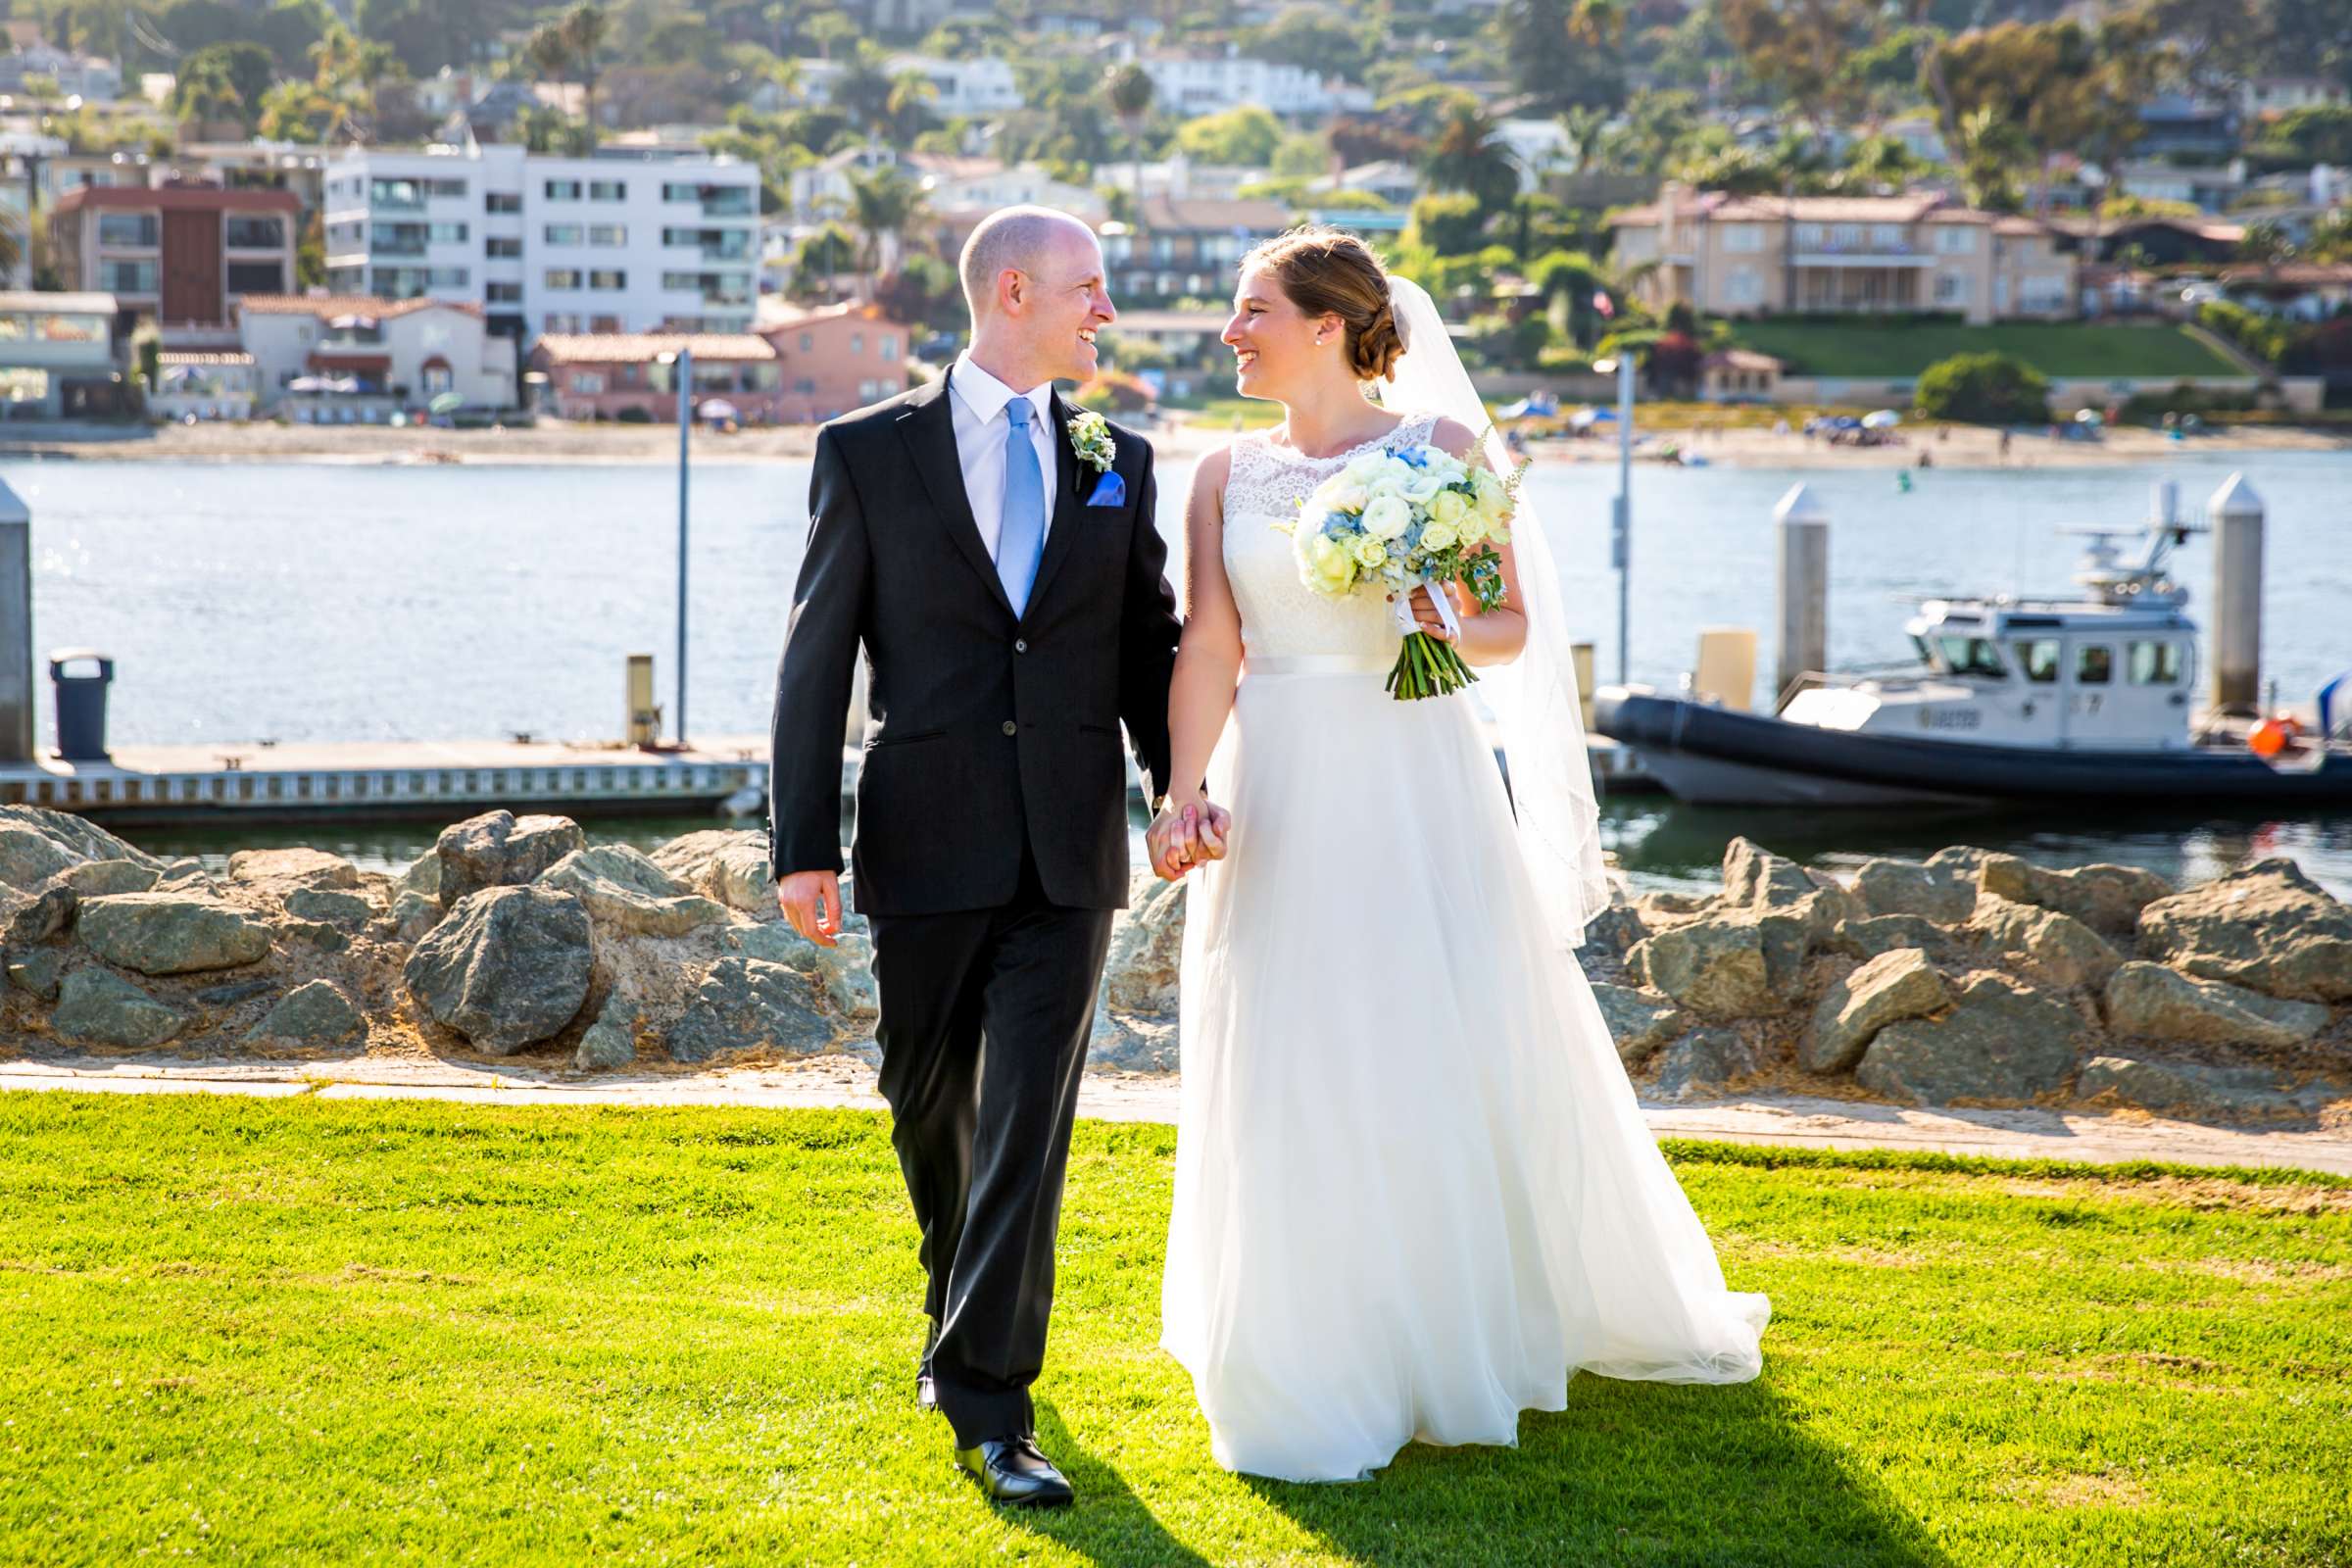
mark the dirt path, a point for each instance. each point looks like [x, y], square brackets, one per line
[1795, 1121]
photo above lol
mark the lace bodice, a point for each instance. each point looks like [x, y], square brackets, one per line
[1281, 616]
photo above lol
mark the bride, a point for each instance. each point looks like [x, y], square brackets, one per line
[1414, 1194]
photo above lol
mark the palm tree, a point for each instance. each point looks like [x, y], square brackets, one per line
[884, 205]
[1467, 154]
[910, 95]
[583, 29]
[1131, 94]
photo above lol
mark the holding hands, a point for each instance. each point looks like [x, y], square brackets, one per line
[1187, 833]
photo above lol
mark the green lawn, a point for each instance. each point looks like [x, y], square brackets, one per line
[327, 1332]
[2055, 348]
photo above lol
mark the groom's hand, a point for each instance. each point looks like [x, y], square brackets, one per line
[812, 901]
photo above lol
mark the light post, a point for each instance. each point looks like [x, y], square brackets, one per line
[681, 364]
[1622, 518]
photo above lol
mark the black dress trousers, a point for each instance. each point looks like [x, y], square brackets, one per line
[984, 1024]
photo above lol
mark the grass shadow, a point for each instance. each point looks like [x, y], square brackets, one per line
[1108, 1524]
[1627, 1473]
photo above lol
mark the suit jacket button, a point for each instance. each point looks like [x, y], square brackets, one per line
[1020, 645]
[1011, 728]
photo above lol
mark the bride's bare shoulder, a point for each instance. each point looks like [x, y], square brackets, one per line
[1452, 436]
[1215, 469]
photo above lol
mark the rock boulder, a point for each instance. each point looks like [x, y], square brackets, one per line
[97, 1007]
[1895, 985]
[1640, 1021]
[749, 1005]
[628, 892]
[499, 849]
[2153, 1003]
[2001, 1041]
[506, 968]
[165, 932]
[2266, 926]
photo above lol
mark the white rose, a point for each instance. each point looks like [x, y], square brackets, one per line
[1387, 516]
[1437, 536]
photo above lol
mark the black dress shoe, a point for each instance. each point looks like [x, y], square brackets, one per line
[1014, 1472]
[926, 1393]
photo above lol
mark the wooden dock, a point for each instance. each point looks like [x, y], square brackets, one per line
[324, 781]
[389, 780]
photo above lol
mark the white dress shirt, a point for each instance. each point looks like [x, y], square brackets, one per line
[978, 402]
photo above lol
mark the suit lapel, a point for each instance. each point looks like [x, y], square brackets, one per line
[1069, 501]
[928, 426]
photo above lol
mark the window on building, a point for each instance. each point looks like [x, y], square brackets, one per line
[447, 234]
[254, 233]
[807, 342]
[1809, 235]
[608, 278]
[1887, 237]
[562, 233]
[448, 277]
[587, 381]
[607, 190]
[2094, 664]
[1743, 287]
[1743, 238]
[562, 191]
[501, 247]
[611, 323]
[127, 277]
[1955, 239]
[446, 188]
[502, 201]
[1951, 288]
[890, 346]
[437, 379]
[503, 293]
[130, 231]
[2039, 658]
[607, 234]
[2153, 664]
[857, 342]
[562, 322]
[395, 193]
[257, 278]
[562, 278]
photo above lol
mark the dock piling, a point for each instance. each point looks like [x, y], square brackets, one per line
[16, 628]
[2235, 514]
[1802, 646]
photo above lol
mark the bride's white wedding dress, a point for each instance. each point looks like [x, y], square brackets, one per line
[1413, 1190]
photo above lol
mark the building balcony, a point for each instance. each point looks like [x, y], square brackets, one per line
[1863, 256]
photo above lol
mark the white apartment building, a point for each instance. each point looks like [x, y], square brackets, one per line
[1188, 84]
[626, 240]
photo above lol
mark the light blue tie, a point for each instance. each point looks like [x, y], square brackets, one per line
[1021, 533]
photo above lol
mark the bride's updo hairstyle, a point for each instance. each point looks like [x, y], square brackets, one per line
[1328, 270]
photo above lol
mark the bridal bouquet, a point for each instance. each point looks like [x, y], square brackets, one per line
[1403, 520]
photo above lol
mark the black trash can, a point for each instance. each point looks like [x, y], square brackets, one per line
[81, 704]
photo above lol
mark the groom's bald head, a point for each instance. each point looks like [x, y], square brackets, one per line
[1029, 240]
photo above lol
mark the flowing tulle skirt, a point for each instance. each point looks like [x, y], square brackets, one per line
[1414, 1194]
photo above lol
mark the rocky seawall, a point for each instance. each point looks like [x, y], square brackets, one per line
[1969, 978]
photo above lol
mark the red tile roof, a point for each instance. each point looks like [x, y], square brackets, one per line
[177, 198]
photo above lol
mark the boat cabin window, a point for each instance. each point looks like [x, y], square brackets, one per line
[2039, 659]
[1973, 656]
[2094, 664]
[2154, 663]
[1927, 655]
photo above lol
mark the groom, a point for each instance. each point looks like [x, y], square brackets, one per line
[1002, 573]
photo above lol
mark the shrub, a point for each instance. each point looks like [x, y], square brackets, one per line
[1984, 389]
[2259, 335]
[2182, 398]
[634, 413]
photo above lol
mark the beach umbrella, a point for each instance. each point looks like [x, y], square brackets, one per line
[447, 402]
[1882, 419]
[717, 409]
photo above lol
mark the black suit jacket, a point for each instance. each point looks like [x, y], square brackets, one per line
[979, 724]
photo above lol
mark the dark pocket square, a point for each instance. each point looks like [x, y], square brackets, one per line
[1110, 491]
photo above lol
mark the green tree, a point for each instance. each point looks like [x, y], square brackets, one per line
[1130, 91]
[224, 81]
[911, 94]
[1561, 53]
[583, 31]
[1799, 49]
[1244, 138]
[1315, 39]
[1447, 225]
[884, 205]
[1984, 389]
[1467, 154]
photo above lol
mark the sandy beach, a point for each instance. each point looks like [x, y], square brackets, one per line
[1946, 446]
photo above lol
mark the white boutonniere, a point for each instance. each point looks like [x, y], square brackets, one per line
[1090, 439]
